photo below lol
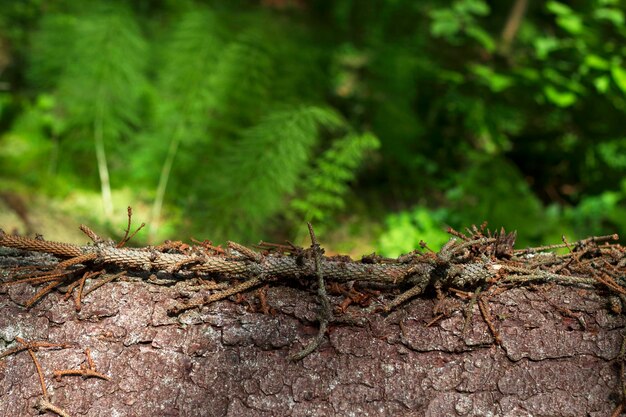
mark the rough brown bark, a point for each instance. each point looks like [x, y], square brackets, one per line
[228, 360]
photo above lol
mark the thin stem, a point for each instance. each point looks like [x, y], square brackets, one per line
[103, 170]
[163, 180]
[326, 312]
[512, 25]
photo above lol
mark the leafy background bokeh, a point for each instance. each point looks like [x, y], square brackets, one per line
[382, 122]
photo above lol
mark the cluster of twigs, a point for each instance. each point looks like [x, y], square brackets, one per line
[44, 404]
[473, 266]
[469, 261]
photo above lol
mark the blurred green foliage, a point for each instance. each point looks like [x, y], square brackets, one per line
[242, 120]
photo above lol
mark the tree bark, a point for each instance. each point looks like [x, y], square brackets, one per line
[558, 355]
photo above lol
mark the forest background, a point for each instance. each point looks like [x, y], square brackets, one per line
[382, 122]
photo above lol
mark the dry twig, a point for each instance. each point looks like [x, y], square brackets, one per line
[325, 310]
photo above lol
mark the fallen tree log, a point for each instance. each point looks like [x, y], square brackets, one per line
[518, 340]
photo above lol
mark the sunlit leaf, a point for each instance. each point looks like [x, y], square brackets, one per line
[404, 231]
[602, 83]
[619, 76]
[445, 23]
[596, 62]
[558, 8]
[615, 16]
[560, 98]
[477, 7]
[571, 23]
[482, 37]
[545, 45]
[496, 82]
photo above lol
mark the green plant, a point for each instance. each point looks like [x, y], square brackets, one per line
[406, 230]
[258, 172]
[324, 188]
[93, 63]
[183, 95]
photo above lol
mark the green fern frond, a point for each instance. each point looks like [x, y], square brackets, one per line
[98, 83]
[187, 61]
[51, 50]
[261, 169]
[323, 192]
[218, 84]
[242, 83]
[105, 79]
[183, 96]
[95, 64]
